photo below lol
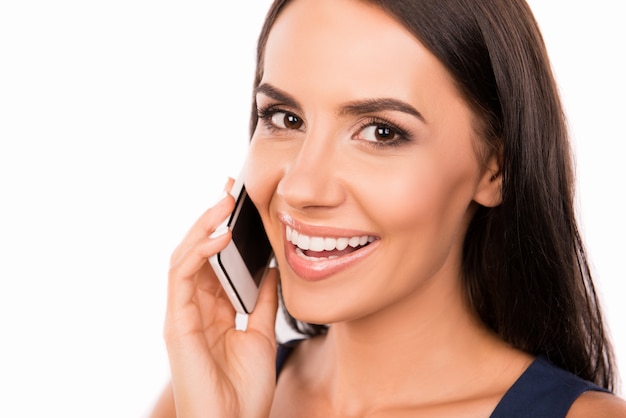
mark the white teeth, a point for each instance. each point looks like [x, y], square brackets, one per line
[318, 244]
[308, 257]
[342, 243]
[303, 242]
[292, 236]
[330, 244]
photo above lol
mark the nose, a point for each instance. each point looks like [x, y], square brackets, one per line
[312, 179]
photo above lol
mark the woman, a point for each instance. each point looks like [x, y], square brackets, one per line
[428, 134]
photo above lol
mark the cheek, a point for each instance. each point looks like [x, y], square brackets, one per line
[403, 195]
[426, 207]
[262, 172]
[264, 168]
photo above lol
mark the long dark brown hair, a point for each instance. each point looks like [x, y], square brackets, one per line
[525, 268]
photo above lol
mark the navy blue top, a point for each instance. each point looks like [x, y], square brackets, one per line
[542, 391]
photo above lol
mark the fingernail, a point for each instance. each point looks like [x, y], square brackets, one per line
[222, 230]
[229, 183]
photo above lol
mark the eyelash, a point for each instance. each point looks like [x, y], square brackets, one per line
[265, 115]
[402, 136]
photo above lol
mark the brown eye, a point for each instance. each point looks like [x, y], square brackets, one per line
[385, 133]
[286, 120]
[378, 133]
[292, 121]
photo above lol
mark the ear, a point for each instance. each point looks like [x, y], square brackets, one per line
[489, 188]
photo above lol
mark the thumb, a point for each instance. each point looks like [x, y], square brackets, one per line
[263, 318]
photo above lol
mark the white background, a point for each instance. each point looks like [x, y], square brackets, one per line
[119, 123]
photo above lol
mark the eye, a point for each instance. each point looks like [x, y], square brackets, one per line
[378, 133]
[285, 120]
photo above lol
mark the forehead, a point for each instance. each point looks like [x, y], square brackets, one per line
[349, 45]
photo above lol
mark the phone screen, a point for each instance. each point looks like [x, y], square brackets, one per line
[250, 239]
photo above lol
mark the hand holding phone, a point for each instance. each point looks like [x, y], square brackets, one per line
[210, 364]
[241, 266]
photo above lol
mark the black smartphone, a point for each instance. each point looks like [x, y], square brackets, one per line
[241, 266]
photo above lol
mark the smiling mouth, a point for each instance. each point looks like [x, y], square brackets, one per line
[326, 248]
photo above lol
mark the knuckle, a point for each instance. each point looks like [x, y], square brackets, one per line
[174, 270]
[169, 333]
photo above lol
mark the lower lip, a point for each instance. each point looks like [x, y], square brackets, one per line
[314, 270]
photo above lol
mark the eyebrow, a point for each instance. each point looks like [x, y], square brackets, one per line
[357, 107]
[278, 95]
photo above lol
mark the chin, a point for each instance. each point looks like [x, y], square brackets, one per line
[319, 310]
[309, 312]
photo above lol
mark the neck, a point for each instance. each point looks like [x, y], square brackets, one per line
[415, 350]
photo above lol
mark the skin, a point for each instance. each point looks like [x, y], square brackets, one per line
[211, 362]
[416, 196]
[403, 340]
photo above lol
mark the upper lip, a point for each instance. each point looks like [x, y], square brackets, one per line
[320, 231]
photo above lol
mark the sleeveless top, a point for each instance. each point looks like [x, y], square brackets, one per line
[542, 391]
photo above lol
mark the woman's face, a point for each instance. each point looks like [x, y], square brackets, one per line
[363, 164]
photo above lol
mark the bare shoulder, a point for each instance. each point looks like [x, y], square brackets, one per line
[597, 404]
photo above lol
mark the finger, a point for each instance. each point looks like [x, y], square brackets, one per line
[205, 225]
[229, 184]
[263, 318]
[209, 221]
[182, 277]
